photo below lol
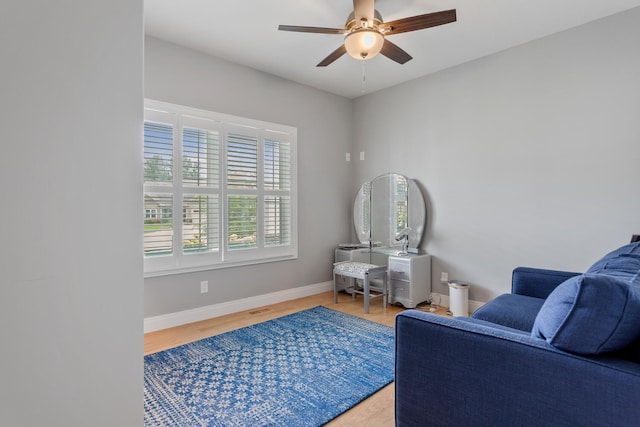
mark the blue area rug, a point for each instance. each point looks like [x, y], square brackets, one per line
[303, 369]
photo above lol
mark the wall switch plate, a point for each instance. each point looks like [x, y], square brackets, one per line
[444, 277]
[362, 155]
[204, 286]
[348, 158]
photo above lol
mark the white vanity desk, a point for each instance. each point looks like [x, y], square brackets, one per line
[409, 275]
[389, 216]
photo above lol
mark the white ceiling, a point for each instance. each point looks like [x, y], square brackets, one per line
[246, 33]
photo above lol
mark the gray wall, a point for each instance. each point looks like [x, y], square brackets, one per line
[71, 305]
[324, 121]
[528, 157]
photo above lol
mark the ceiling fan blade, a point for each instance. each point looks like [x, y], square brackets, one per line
[363, 9]
[318, 30]
[333, 56]
[394, 53]
[419, 22]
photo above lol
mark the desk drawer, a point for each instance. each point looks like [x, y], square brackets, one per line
[399, 269]
[400, 288]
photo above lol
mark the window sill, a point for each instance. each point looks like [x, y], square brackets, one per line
[230, 264]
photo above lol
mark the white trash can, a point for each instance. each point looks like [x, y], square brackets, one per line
[459, 298]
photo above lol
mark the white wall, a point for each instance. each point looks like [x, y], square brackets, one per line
[324, 121]
[70, 266]
[529, 157]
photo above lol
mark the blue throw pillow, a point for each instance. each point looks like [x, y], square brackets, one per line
[624, 266]
[590, 314]
[630, 250]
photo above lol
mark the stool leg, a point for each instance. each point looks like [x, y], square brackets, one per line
[385, 289]
[335, 289]
[366, 294]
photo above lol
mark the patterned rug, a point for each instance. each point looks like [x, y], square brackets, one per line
[303, 369]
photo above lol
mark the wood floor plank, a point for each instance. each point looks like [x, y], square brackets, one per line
[376, 411]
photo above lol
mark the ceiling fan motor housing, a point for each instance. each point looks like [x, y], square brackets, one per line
[353, 24]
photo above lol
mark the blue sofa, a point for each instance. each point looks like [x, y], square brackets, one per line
[562, 349]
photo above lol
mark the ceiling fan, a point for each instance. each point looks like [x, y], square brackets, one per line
[366, 32]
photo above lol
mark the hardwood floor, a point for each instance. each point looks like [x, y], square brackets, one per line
[376, 411]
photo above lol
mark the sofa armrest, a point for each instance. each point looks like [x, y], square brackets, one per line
[537, 282]
[460, 371]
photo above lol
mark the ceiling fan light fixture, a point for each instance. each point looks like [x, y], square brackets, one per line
[364, 43]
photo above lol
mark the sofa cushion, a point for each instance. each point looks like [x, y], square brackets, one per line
[511, 310]
[591, 314]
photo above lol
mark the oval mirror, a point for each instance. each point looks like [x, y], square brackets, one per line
[386, 206]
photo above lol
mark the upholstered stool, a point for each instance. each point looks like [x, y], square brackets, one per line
[365, 272]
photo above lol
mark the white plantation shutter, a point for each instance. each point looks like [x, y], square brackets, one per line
[218, 190]
[242, 161]
[200, 218]
[277, 187]
[200, 157]
[158, 233]
[242, 188]
[158, 153]
[158, 176]
[200, 187]
[277, 165]
[277, 220]
[242, 222]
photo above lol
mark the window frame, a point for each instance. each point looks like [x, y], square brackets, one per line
[179, 261]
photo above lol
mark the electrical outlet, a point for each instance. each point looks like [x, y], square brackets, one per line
[204, 286]
[348, 157]
[444, 276]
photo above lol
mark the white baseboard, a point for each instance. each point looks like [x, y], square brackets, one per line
[170, 320]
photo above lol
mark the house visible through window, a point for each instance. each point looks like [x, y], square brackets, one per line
[234, 181]
[150, 214]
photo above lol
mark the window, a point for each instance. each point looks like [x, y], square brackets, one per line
[234, 181]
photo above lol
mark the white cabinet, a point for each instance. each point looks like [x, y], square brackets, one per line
[409, 279]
